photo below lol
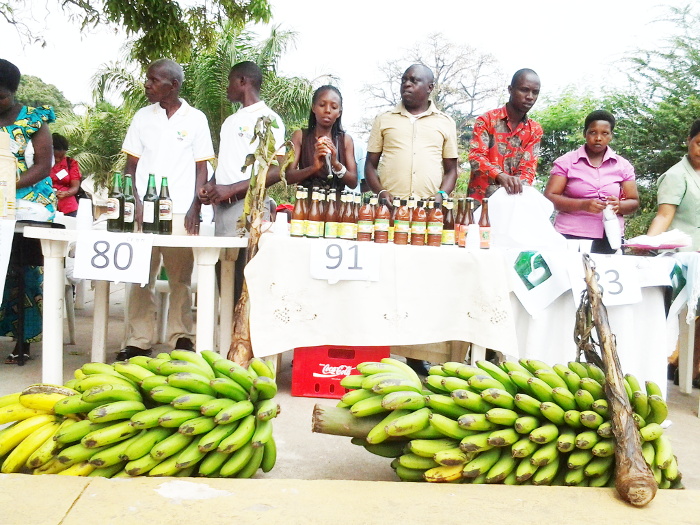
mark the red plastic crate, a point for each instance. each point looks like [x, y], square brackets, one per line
[317, 370]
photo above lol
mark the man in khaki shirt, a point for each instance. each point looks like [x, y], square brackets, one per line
[412, 149]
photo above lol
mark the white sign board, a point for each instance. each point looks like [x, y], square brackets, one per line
[7, 231]
[336, 260]
[115, 257]
[617, 276]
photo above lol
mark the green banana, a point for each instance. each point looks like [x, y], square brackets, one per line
[370, 381]
[144, 442]
[598, 466]
[352, 397]
[267, 409]
[109, 435]
[115, 411]
[573, 419]
[262, 433]
[176, 417]
[566, 440]
[501, 469]
[523, 448]
[591, 419]
[150, 382]
[90, 381]
[498, 397]
[658, 409]
[578, 368]
[111, 392]
[212, 462]
[564, 398]
[409, 474]
[378, 434]
[546, 473]
[451, 383]
[197, 426]
[180, 366]
[551, 378]
[648, 452]
[368, 407]
[167, 467]
[525, 470]
[514, 366]
[153, 364]
[409, 423]
[540, 389]
[190, 455]
[436, 370]
[149, 418]
[573, 380]
[169, 446]
[270, 455]
[192, 382]
[545, 454]
[476, 442]
[482, 463]
[595, 373]
[552, 412]
[574, 477]
[111, 456]
[499, 375]
[472, 401]
[429, 447]
[503, 437]
[481, 382]
[237, 461]
[74, 405]
[227, 387]
[476, 422]
[653, 389]
[211, 440]
[604, 448]
[605, 429]
[416, 462]
[593, 386]
[386, 449]
[132, 371]
[191, 401]
[533, 365]
[434, 384]
[235, 412]
[526, 424]
[239, 437]
[584, 399]
[502, 416]
[213, 407]
[445, 405]
[528, 404]
[166, 393]
[77, 431]
[600, 406]
[545, 433]
[519, 379]
[76, 454]
[451, 457]
[406, 400]
[369, 368]
[352, 382]
[107, 472]
[252, 466]
[196, 359]
[266, 387]
[395, 384]
[651, 432]
[587, 439]
[640, 403]
[141, 466]
[664, 453]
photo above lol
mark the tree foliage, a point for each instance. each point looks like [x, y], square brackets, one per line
[33, 91]
[465, 80]
[159, 28]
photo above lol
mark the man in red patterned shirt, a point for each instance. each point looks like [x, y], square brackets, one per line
[506, 143]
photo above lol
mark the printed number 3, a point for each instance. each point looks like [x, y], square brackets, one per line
[610, 281]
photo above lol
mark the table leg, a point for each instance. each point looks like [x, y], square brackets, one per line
[100, 322]
[686, 346]
[52, 331]
[226, 299]
[206, 297]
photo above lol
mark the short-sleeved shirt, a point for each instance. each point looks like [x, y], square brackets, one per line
[585, 181]
[62, 173]
[412, 150]
[495, 149]
[680, 186]
[169, 147]
[237, 133]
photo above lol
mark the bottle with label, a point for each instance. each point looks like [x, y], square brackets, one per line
[296, 227]
[322, 203]
[419, 219]
[467, 220]
[402, 223]
[459, 222]
[129, 204]
[357, 202]
[382, 216]
[306, 205]
[150, 206]
[331, 216]
[484, 226]
[435, 225]
[411, 203]
[115, 205]
[165, 209]
[394, 208]
[365, 221]
[448, 223]
[348, 226]
[314, 225]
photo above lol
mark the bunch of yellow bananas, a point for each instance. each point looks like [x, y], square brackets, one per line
[523, 422]
[178, 414]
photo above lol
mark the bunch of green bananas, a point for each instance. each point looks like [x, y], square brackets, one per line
[523, 422]
[178, 414]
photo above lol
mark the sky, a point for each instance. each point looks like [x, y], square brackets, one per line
[569, 43]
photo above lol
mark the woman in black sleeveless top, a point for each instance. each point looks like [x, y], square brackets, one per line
[324, 153]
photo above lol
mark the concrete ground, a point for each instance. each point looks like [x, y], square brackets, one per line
[301, 453]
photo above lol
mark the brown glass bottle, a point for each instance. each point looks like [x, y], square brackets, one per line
[165, 209]
[402, 223]
[129, 204]
[382, 217]
[394, 208]
[357, 202]
[459, 221]
[314, 223]
[418, 222]
[365, 221]
[150, 206]
[348, 226]
[448, 223]
[331, 216]
[296, 225]
[435, 226]
[484, 226]
[115, 205]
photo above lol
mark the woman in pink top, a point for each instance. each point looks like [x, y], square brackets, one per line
[584, 181]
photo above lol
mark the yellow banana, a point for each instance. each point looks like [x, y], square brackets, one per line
[16, 459]
[9, 399]
[84, 468]
[443, 474]
[13, 435]
[49, 448]
[17, 412]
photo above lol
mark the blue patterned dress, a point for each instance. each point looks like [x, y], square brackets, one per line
[28, 122]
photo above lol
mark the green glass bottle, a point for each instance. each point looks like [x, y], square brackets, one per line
[150, 206]
[129, 204]
[115, 205]
[165, 209]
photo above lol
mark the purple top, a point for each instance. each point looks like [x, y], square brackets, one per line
[587, 182]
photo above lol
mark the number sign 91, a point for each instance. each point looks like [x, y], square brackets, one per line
[116, 257]
[341, 260]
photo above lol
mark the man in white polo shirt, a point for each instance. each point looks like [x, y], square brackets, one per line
[170, 139]
[227, 188]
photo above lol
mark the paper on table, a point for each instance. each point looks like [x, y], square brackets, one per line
[670, 238]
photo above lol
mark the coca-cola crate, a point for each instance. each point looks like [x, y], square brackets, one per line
[317, 370]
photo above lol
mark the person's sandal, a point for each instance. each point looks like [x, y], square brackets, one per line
[12, 359]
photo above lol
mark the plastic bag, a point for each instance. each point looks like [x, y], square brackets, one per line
[523, 221]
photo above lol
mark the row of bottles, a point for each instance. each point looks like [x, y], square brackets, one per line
[157, 207]
[408, 221]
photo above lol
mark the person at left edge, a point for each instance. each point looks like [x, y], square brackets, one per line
[26, 126]
[168, 138]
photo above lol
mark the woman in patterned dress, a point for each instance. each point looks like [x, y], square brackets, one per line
[25, 125]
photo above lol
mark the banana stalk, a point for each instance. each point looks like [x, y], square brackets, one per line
[634, 480]
[241, 350]
[340, 422]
